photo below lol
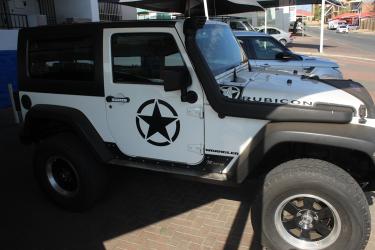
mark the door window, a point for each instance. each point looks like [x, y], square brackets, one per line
[273, 31]
[237, 26]
[141, 58]
[266, 48]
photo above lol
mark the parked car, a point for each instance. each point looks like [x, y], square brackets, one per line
[342, 29]
[148, 95]
[243, 25]
[266, 53]
[333, 24]
[283, 37]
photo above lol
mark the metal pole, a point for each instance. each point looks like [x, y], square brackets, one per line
[15, 113]
[206, 9]
[322, 26]
[265, 20]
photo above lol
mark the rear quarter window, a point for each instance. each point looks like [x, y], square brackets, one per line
[62, 59]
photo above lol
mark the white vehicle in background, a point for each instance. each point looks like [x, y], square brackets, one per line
[240, 24]
[342, 29]
[266, 53]
[334, 24]
[283, 37]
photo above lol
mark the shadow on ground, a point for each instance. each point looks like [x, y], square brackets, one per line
[307, 46]
[134, 200]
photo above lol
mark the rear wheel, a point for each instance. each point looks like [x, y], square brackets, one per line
[68, 173]
[313, 204]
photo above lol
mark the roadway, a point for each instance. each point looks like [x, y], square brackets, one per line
[354, 52]
[355, 43]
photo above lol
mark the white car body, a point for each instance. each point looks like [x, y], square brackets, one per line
[333, 24]
[342, 29]
[279, 34]
[301, 64]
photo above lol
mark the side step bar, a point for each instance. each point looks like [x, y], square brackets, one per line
[190, 172]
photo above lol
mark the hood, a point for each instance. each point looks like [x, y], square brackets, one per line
[312, 61]
[288, 90]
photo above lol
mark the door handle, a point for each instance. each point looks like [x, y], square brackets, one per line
[117, 99]
[266, 65]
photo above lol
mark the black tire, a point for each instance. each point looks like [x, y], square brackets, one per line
[346, 215]
[86, 179]
[283, 42]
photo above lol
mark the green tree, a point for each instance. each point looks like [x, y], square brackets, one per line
[317, 12]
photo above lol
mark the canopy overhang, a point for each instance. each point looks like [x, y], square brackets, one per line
[195, 7]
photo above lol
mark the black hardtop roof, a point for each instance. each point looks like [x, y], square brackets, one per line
[101, 25]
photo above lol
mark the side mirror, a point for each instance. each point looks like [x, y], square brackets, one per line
[176, 79]
[179, 79]
[285, 56]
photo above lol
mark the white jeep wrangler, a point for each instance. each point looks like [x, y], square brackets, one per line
[179, 97]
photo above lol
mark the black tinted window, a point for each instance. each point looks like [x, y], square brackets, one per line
[143, 57]
[63, 59]
[247, 46]
[273, 32]
[266, 48]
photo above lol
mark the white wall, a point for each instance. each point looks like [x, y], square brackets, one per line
[8, 39]
[87, 9]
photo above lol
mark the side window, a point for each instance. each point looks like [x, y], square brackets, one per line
[247, 46]
[273, 31]
[266, 48]
[62, 59]
[142, 57]
[237, 26]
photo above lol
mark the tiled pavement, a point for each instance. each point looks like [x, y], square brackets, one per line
[142, 210]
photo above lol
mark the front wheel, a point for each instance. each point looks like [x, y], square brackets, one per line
[312, 204]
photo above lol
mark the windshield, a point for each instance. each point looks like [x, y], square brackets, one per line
[249, 26]
[219, 47]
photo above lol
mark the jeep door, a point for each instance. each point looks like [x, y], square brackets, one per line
[145, 120]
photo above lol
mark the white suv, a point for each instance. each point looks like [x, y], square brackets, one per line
[179, 97]
[266, 53]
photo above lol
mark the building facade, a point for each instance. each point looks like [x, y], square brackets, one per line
[17, 14]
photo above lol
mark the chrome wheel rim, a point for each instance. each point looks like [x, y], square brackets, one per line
[307, 222]
[62, 176]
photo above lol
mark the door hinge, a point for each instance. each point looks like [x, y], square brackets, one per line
[196, 148]
[197, 112]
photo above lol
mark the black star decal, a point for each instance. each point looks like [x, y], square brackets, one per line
[157, 123]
